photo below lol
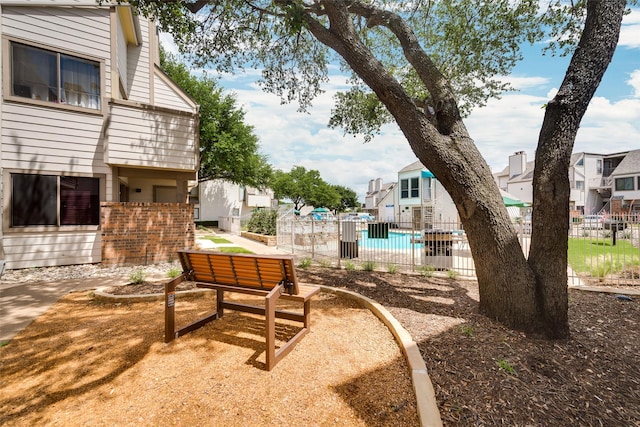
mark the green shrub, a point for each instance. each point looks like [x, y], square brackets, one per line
[452, 274]
[174, 272]
[467, 330]
[392, 268]
[349, 266]
[368, 266]
[326, 263]
[305, 263]
[263, 221]
[137, 277]
[427, 270]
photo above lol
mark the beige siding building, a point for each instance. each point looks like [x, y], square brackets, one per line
[86, 117]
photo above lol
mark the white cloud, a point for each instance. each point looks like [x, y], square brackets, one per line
[522, 83]
[290, 138]
[505, 125]
[167, 43]
[634, 82]
[630, 31]
[609, 127]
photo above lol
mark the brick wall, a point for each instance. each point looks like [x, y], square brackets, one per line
[145, 233]
[616, 206]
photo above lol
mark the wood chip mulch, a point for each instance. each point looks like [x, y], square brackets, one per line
[487, 375]
[94, 371]
[91, 363]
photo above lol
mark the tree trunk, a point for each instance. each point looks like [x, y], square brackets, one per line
[551, 187]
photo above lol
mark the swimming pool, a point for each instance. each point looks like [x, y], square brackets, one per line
[396, 240]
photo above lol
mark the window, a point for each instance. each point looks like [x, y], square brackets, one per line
[54, 77]
[624, 184]
[404, 189]
[415, 187]
[35, 200]
[579, 185]
[599, 166]
[426, 188]
[409, 187]
[79, 201]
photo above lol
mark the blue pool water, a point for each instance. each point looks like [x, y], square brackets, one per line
[395, 241]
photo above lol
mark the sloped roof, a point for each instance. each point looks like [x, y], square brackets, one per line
[385, 187]
[629, 165]
[574, 158]
[527, 175]
[503, 172]
[417, 165]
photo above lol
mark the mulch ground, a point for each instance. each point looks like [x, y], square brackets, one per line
[487, 375]
[89, 363]
[483, 373]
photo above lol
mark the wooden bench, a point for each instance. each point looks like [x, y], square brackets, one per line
[270, 276]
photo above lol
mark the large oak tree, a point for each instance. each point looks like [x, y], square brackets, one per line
[425, 64]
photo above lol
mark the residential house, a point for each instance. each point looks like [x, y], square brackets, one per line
[422, 201]
[224, 204]
[596, 181]
[379, 200]
[517, 178]
[625, 180]
[94, 136]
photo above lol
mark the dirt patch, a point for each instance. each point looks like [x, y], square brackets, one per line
[89, 363]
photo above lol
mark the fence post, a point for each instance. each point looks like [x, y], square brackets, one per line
[313, 238]
[413, 248]
[293, 234]
[338, 247]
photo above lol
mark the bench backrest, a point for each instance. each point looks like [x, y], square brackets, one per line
[243, 270]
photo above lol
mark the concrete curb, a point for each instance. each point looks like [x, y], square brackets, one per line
[425, 394]
[605, 289]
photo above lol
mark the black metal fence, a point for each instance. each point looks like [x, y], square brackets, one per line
[602, 252]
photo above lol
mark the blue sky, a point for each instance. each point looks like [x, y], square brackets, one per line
[502, 127]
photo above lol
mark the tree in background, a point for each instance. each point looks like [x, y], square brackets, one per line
[348, 199]
[228, 146]
[304, 188]
[425, 64]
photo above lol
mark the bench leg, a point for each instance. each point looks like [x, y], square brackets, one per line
[220, 302]
[307, 314]
[270, 325]
[170, 308]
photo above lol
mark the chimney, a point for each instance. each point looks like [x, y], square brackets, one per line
[371, 181]
[378, 184]
[517, 163]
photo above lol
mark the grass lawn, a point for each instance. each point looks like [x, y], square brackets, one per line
[216, 239]
[598, 256]
[234, 250]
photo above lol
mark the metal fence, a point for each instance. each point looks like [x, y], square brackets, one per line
[599, 253]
